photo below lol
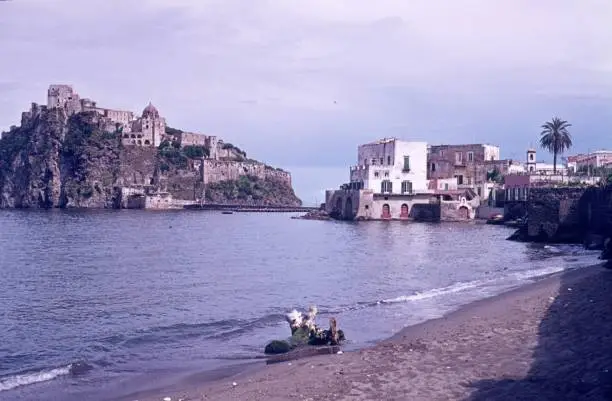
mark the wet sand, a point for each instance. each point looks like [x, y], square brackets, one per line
[551, 340]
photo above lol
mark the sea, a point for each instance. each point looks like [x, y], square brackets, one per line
[103, 305]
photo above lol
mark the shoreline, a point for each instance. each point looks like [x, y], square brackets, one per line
[445, 344]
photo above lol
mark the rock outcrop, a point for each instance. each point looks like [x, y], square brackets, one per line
[56, 160]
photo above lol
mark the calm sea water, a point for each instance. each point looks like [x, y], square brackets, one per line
[99, 305]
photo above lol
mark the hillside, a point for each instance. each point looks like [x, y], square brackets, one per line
[53, 160]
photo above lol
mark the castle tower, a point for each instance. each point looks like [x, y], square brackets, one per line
[153, 126]
[531, 161]
[63, 96]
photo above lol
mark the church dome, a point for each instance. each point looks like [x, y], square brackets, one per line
[150, 111]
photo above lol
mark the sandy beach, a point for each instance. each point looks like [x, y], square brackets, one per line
[551, 340]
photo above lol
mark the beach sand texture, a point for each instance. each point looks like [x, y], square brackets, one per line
[551, 340]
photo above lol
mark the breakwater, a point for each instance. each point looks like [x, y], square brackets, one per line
[252, 209]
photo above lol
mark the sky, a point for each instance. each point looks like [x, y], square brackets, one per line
[300, 84]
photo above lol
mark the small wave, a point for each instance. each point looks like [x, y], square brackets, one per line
[478, 284]
[436, 292]
[532, 274]
[221, 329]
[25, 379]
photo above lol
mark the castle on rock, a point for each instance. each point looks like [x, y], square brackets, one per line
[147, 130]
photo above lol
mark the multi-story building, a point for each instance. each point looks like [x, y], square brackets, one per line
[390, 182]
[467, 163]
[588, 163]
[391, 166]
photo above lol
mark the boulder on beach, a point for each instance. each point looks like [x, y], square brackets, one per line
[277, 347]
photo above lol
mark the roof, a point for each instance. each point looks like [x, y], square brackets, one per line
[150, 111]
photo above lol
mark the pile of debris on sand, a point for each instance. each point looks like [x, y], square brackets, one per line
[304, 331]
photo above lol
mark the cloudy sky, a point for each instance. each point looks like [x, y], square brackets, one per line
[300, 83]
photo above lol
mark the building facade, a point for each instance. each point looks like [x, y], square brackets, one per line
[148, 130]
[390, 182]
[469, 164]
[391, 166]
[588, 163]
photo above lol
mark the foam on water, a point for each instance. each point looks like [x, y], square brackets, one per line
[436, 292]
[11, 382]
[515, 278]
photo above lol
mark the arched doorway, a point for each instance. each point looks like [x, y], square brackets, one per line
[386, 212]
[464, 213]
[404, 211]
[337, 211]
[348, 209]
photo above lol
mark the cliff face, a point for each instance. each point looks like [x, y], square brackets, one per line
[52, 160]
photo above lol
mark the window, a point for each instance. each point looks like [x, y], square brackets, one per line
[382, 161]
[433, 167]
[386, 186]
[442, 153]
[459, 179]
[406, 187]
[389, 160]
[376, 174]
[479, 191]
[373, 162]
[406, 163]
[471, 156]
[446, 187]
[386, 174]
[458, 157]
[531, 157]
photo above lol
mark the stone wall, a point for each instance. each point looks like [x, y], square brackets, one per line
[222, 170]
[354, 204]
[554, 215]
[426, 212]
[456, 211]
[192, 139]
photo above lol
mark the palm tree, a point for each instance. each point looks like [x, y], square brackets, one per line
[556, 138]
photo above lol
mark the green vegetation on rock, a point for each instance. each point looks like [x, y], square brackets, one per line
[277, 347]
[172, 154]
[196, 152]
[252, 190]
[173, 131]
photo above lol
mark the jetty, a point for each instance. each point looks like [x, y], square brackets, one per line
[251, 209]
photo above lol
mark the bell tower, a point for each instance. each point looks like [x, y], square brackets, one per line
[531, 161]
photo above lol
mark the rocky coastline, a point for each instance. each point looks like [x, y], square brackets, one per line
[569, 215]
[57, 160]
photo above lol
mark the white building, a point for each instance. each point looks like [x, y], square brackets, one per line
[391, 166]
[593, 160]
[538, 168]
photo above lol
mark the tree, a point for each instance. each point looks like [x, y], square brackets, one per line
[556, 138]
[494, 176]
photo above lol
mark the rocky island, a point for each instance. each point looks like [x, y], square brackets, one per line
[73, 154]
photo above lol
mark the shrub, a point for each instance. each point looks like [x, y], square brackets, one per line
[173, 131]
[194, 151]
